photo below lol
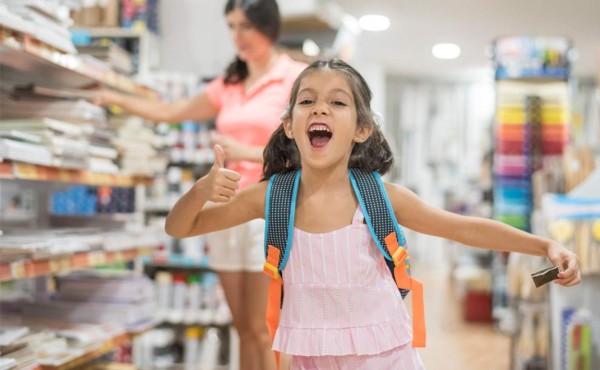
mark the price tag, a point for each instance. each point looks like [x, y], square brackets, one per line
[96, 258]
[54, 266]
[118, 257]
[64, 175]
[64, 264]
[26, 171]
[18, 270]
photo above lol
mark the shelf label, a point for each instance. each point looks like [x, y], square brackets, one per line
[64, 264]
[96, 258]
[54, 265]
[26, 171]
[18, 270]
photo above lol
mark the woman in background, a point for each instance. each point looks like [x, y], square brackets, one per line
[247, 103]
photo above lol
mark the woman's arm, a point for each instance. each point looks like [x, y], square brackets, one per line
[190, 216]
[236, 151]
[198, 108]
[479, 232]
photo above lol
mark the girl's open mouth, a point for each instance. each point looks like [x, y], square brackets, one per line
[319, 135]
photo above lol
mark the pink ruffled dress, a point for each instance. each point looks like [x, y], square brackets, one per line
[340, 298]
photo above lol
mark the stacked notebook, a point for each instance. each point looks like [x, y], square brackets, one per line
[97, 297]
[47, 21]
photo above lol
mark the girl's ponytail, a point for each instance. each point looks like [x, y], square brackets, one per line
[281, 154]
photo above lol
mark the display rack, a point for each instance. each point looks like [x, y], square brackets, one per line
[104, 348]
[23, 52]
[24, 269]
[12, 170]
[532, 130]
[25, 60]
[147, 42]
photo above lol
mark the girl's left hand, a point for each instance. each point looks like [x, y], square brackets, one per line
[568, 263]
[234, 150]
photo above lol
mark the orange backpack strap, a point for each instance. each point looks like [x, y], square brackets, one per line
[407, 282]
[389, 238]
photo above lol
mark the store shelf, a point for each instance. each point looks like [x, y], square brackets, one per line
[32, 268]
[176, 267]
[105, 348]
[25, 171]
[114, 32]
[23, 52]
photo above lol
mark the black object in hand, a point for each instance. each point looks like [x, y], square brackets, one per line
[545, 276]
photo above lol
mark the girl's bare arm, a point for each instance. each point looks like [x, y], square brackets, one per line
[191, 216]
[479, 232]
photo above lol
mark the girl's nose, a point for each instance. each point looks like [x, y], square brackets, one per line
[320, 109]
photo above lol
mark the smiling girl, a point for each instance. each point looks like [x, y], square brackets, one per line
[327, 129]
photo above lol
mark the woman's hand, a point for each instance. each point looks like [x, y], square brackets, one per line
[568, 263]
[220, 184]
[234, 150]
[106, 97]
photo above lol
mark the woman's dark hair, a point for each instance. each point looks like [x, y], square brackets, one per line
[281, 154]
[264, 16]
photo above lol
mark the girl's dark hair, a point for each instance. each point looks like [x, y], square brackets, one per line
[281, 154]
[264, 16]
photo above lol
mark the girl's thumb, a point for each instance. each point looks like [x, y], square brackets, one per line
[219, 157]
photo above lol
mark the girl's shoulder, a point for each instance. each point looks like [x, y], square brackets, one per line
[399, 196]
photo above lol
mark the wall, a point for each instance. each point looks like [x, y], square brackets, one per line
[194, 37]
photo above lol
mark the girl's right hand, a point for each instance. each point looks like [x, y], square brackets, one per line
[221, 184]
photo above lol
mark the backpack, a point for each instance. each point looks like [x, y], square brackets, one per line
[281, 197]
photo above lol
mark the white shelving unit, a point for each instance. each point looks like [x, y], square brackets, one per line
[149, 44]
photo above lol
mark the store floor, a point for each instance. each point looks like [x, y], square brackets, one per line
[452, 343]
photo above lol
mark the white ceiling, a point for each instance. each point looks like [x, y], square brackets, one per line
[416, 25]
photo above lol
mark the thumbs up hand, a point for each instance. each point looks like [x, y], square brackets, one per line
[220, 184]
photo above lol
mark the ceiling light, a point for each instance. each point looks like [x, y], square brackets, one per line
[310, 48]
[446, 51]
[374, 22]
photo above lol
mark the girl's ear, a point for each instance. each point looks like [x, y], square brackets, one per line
[362, 133]
[287, 127]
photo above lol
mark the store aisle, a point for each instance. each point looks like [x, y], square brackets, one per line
[451, 342]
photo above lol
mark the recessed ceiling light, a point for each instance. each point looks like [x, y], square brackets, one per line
[446, 51]
[374, 22]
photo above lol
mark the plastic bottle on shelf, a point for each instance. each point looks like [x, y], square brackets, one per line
[207, 305]
[191, 347]
[222, 315]
[188, 139]
[164, 287]
[193, 249]
[193, 300]
[179, 294]
[211, 345]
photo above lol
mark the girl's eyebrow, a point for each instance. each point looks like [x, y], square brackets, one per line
[311, 90]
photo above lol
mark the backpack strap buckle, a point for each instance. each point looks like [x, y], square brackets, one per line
[271, 266]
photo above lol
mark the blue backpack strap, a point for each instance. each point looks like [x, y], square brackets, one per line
[378, 211]
[282, 193]
[280, 210]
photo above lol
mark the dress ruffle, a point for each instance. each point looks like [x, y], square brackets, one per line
[363, 340]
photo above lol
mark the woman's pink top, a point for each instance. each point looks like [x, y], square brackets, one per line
[251, 117]
[339, 296]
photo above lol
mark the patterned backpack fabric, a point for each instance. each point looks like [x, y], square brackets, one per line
[389, 237]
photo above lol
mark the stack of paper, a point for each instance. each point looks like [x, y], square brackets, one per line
[27, 104]
[110, 53]
[138, 147]
[97, 298]
[46, 20]
[43, 243]
[16, 351]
